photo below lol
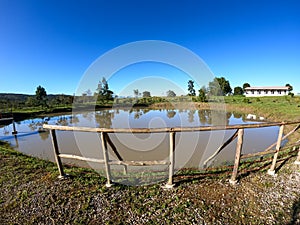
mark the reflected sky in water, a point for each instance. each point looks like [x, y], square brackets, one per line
[191, 148]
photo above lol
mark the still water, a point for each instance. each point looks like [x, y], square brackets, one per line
[192, 148]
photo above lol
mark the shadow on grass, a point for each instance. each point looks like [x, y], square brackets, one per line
[296, 213]
[245, 169]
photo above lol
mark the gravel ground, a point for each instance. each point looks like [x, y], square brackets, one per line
[32, 194]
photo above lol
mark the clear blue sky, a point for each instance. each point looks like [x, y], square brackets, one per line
[52, 43]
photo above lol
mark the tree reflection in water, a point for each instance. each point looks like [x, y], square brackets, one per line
[44, 135]
[171, 113]
[138, 112]
[104, 118]
[37, 124]
[63, 121]
[74, 119]
[191, 114]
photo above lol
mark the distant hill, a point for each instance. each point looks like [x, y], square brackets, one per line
[14, 97]
[23, 97]
[17, 101]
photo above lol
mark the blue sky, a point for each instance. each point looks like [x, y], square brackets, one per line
[52, 43]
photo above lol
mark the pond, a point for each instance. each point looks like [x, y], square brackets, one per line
[192, 148]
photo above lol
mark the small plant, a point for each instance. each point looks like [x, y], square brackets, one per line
[246, 100]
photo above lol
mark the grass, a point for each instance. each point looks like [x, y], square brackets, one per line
[31, 193]
[273, 108]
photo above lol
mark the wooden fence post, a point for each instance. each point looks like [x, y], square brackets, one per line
[56, 154]
[238, 152]
[170, 184]
[106, 158]
[14, 132]
[297, 162]
[271, 171]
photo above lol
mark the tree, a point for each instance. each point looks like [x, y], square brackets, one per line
[104, 94]
[191, 89]
[136, 93]
[146, 94]
[171, 93]
[31, 101]
[202, 95]
[41, 96]
[289, 86]
[238, 91]
[245, 85]
[219, 86]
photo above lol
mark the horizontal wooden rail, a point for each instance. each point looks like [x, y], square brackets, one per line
[250, 155]
[167, 129]
[115, 162]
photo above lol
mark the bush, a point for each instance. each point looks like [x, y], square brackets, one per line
[246, 100]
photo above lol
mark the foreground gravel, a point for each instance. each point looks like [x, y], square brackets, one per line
[32, 194]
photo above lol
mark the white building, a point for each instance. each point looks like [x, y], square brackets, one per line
[266, 91]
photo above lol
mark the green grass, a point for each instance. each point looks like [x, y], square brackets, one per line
[275, 108]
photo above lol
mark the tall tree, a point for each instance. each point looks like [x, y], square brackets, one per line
[191, 89]
[238, 91]
[41, 96]
[245, 85]
[104, 94]
[219, 86]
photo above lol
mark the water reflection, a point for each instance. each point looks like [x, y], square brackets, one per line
[31, 140]
[142, 118]
[171, 113]
[191, 115]
[104, 118]
[44, 135]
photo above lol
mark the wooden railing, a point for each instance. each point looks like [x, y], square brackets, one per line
[239, 134]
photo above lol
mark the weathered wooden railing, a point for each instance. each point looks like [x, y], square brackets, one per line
[172, 131]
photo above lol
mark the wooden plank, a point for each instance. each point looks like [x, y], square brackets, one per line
[56, 154]
[6, 119]
[297, 162]
[14, 128]
[172, 160]
[221, 148]
[257, 154]
[269, 151]
[69, 156]
[238, 152]
[116, 162]
[106, 158]
[271, 171]
[161, 130]
[285, 137]
[139, 163]
[113, 147]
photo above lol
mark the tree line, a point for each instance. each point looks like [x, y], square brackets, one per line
[219, 86]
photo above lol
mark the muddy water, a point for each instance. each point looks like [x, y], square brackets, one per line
[192, 148]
